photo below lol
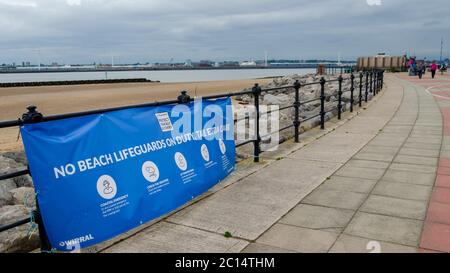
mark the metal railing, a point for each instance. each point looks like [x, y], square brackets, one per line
[361, 85]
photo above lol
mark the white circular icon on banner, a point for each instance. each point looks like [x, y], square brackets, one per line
[106, 187]
[150, 171]
[223, 148]
[205, 152]
[181, 162]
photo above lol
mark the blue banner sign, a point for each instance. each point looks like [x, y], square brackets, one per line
[98, 176]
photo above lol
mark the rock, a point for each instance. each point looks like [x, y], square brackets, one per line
[281, 99]
[24, 196]
[10, 214]
[24, 181]
[7, 165]
[6, 198]
[17, 239]
[19, 157]
[12, 162]
[244, 98]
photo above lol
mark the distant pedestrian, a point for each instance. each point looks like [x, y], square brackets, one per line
[434, 68]
[420, 70]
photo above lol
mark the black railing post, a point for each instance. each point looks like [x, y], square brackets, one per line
[352, 91]
[375, 86]
[33, 116]
[367, 86]
[257, 142]
[371, 82]
[340, 79]
[378, 81]
[381, 80]
[184, 98]
[322, 103]
[361, 78]
[297, 87]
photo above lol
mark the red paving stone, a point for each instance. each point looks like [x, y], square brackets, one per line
[439, 213]
[444, 162]
[436, 237]
[428, 251]
[441, 95]
[443, 171]
[441, 195]
[443, 181]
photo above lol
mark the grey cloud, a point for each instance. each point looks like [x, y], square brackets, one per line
[157, 30]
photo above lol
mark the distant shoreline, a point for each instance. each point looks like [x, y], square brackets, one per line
[125, 69]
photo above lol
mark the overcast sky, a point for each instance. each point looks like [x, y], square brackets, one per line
[81, 31]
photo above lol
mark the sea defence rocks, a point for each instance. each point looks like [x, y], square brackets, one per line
[17, 201]
[19, 239]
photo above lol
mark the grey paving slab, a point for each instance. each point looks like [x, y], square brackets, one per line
[335, 199]
[403, 190]
[320, 218]
[248, 208]
[395, 207]
[428, 146]
[413, 168]
[366, 125]
[427, 179]
[386, 228]
[340, 146]
[169, 238]
[417, 160]
[297, 171]
[357, 172]
[298, 239]
[425, 136]
[388, 142]
[260, 248]
[429, 132]
[358, 185]
[427, 140]
[374, 156]
[398, 129]
[419, 152]
[367, 164]
[352, 244]
[445, 153]
[379, 150]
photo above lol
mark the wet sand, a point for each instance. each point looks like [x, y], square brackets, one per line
[52, 100]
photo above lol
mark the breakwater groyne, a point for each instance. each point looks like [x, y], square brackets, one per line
[78, 82]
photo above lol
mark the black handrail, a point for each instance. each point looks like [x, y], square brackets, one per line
[374, 81]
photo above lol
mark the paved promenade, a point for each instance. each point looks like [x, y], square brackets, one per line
[379, 182]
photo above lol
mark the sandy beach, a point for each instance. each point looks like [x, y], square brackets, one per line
[65, 99]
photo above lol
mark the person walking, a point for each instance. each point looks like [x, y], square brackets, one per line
[434, 68]
[420, 70]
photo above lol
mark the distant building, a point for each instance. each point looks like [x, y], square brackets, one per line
[188, 63]
[383, 62]
[247, 64]
[229, 64]
[205, 64]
